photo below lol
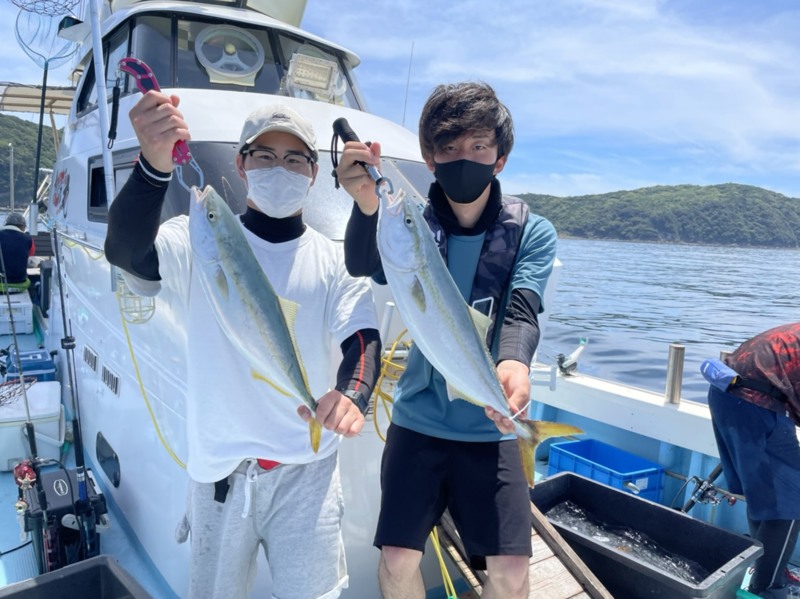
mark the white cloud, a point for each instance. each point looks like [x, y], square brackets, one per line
[630, 91]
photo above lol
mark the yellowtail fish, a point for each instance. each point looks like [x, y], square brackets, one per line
[449, 333]
[256, 321]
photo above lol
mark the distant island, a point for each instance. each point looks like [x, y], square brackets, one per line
[728, 214]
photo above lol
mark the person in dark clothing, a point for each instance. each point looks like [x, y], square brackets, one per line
[17, 246]
[500, 256]
[755, 410]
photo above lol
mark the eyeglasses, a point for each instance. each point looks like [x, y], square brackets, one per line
[292, 161]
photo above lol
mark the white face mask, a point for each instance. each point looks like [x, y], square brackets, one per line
[277, 192]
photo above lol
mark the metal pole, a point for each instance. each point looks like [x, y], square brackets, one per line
[674, 373]
[39, 135]
[11, 176]
[102, 97]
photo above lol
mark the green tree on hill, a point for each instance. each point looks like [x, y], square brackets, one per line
[23, 134]
[728, 214]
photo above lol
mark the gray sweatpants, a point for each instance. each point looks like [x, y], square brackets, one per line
[293, 511]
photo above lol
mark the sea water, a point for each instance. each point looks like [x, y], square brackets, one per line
[632, 300]
[627, 541]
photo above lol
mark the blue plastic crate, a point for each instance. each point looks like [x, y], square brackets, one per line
[609, 465]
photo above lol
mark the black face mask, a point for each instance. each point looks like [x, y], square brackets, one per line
[463, 180]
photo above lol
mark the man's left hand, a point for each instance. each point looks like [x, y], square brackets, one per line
[514, 377]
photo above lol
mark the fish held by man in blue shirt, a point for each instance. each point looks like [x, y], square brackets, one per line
[449, 333]
[258, 322]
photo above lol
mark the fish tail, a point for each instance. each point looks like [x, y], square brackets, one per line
[527, 451]
[315, 430]
[540, 430]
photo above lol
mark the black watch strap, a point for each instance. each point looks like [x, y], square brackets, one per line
[357, 398]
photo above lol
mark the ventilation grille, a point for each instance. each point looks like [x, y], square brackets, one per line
[90, 357]
[111, 380]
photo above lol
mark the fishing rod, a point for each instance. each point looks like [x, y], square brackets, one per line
[84, 512]
[706, 492]
[47, 558]
[343, 130]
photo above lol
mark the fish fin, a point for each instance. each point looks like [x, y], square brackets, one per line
[527, 451]
[481, 321]
[289, 309]
[541, 430]
[418, 294]
[271, 384]
[221, 281]
[453, 393]
[315, 430]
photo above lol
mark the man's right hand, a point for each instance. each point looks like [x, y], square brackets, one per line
[355, 180]
[159, 125]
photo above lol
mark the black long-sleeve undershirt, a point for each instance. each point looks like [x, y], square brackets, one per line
[519, 335]
[133, 221]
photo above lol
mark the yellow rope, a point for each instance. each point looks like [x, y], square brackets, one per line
[449, 587]
[141, 387]
[391, 370]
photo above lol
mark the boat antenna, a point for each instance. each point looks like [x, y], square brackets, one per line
[408, 82]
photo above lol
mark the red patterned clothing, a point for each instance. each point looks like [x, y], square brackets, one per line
[771, 357]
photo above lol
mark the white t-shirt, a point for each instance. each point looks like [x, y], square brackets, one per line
[232, 416]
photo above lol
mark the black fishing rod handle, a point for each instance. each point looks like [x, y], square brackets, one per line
[343, 129]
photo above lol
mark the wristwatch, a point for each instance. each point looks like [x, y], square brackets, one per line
[357, 398]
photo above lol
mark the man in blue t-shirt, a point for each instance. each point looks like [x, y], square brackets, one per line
[441, 454]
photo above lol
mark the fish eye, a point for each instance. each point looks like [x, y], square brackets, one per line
[408, 220]
[212, 216]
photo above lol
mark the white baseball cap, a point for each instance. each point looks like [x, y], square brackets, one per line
[277, 117]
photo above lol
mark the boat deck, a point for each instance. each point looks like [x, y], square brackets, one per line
[556, 572]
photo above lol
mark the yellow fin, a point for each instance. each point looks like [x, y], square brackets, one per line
[418, 294]
[271, 384]
[315, 430]
[289, 310]
[481, 321]
[527, 450]
[543, 429]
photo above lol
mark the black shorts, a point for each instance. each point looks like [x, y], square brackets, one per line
[482, 484]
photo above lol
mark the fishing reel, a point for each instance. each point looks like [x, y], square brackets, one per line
[706, 492]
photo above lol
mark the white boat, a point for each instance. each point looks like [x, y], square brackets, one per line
[225, 59]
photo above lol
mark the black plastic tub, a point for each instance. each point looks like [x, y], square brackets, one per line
[95, 578]
[722, 553]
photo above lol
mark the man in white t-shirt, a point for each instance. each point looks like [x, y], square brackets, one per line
[255, 479]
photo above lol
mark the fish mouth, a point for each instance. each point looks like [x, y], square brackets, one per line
[392, 203]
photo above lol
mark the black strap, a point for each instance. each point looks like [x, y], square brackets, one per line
[761, 387]
[221, 490]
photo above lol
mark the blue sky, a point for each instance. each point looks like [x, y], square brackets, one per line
[605, 94]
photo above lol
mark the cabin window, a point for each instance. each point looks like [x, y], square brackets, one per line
[152, 43]
[222, 56]
[114, 48]
[98, 202]
[314, 73]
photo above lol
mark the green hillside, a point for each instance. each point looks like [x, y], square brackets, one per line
[728, 214]
[23, 135]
